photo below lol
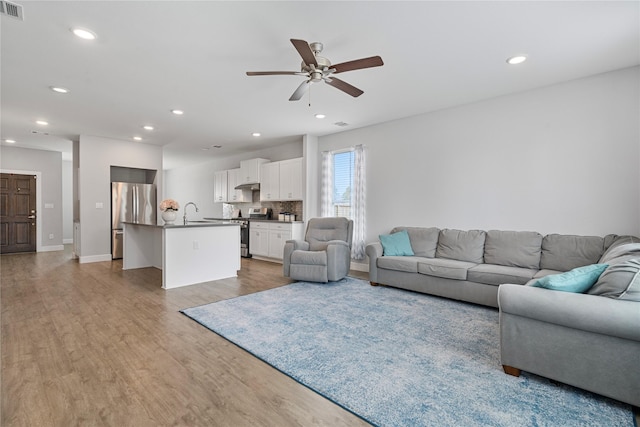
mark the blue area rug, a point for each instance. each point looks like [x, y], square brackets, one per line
[398, 358]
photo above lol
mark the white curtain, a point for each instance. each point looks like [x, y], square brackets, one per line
[358, 204]
[326, 195]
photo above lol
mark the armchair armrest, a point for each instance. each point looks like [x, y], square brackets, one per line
[338, 259]
[373, 251]
[289, 247]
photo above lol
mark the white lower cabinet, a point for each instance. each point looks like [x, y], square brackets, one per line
[267, 239]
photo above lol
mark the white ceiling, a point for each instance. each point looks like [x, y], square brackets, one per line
[151, 57]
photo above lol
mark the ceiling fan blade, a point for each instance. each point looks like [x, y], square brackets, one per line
[344, 86]
[305, 52]
[275, 73]
[358, 64]
[302, 89]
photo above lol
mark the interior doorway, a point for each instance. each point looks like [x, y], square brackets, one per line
[18, 225]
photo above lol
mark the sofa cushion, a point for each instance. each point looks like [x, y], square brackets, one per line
[396, 244]
[620, 251]
[399, 263]
[461, 245]
[491, 274]
[309, 257]
[620, 281]
[578, 280]
[566, 252]
[446, 268]
[423, 240]
[323, 230]
[513, 248]
[545, 272]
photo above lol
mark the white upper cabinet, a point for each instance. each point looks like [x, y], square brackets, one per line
[270, 181]
[250, 171]
[291, 179]
[233, 180]
[220, 186]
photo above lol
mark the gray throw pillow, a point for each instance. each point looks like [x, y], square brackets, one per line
[461, 245]
[621, 281]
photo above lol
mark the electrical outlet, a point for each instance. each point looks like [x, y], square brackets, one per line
[51, 236]
[196, 244]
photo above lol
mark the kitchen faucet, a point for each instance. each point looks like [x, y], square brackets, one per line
[184, 217]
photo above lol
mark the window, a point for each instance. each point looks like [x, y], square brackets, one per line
[343, 167]
[343, 191]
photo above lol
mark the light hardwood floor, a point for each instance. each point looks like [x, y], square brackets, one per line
[92, 345]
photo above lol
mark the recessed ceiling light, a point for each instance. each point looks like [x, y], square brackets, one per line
[256, 134]
[42, 122]
[518, 59]
[59, 89]
[84, 33]
[10, 141]
[147, 127]
[137, 138]
[177, 112]
[320, 116]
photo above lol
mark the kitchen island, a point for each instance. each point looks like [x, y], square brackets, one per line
[187, 254]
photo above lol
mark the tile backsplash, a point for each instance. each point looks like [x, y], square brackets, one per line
[294, 207]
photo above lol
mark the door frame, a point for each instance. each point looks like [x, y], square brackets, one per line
[38, 175]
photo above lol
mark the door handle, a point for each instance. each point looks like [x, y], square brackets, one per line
[31, 216]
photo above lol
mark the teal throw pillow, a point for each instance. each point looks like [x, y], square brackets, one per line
[578, 280]
[396, 244]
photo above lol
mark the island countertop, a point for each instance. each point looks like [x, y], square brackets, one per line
[196, 223]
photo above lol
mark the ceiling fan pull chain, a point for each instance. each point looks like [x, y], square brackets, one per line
[310, 96]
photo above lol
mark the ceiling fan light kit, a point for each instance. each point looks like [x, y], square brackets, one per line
[317, 69]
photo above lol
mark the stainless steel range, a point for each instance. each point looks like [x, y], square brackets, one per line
[254, 213]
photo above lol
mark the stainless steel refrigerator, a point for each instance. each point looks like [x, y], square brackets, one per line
[130, 203]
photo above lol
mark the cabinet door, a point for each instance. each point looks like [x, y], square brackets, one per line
[220, 186]
[270, 181]
[250, 171]
[233, 195]
[259, 240]
[277, 240]
[291, 179]
[278, 236]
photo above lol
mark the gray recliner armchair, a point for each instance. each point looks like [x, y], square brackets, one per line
[325, 253]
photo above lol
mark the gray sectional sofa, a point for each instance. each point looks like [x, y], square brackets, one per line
[470, 265]
[588, 340]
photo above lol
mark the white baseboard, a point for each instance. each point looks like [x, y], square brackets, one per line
[67, 241]
[357, 266]
[51, 248]
[94, 258]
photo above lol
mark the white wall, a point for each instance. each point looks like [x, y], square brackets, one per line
[195, 183]
[67, 201]
[561, 159]
[96, 156]
[49, 164]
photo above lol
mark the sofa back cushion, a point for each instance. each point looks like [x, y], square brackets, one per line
[513, 248]
[461, 245]
[322, 230]
[566, 252]
[423, 240]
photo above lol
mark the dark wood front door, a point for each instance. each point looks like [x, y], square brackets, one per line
[17, 213]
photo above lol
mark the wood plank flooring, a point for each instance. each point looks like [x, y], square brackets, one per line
[92, 345]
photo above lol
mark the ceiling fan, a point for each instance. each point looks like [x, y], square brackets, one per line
[317, 69]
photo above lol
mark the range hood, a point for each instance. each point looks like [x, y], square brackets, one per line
[253, 187]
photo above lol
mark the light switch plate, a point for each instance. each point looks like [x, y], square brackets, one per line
[99, 205]
[48, 205]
